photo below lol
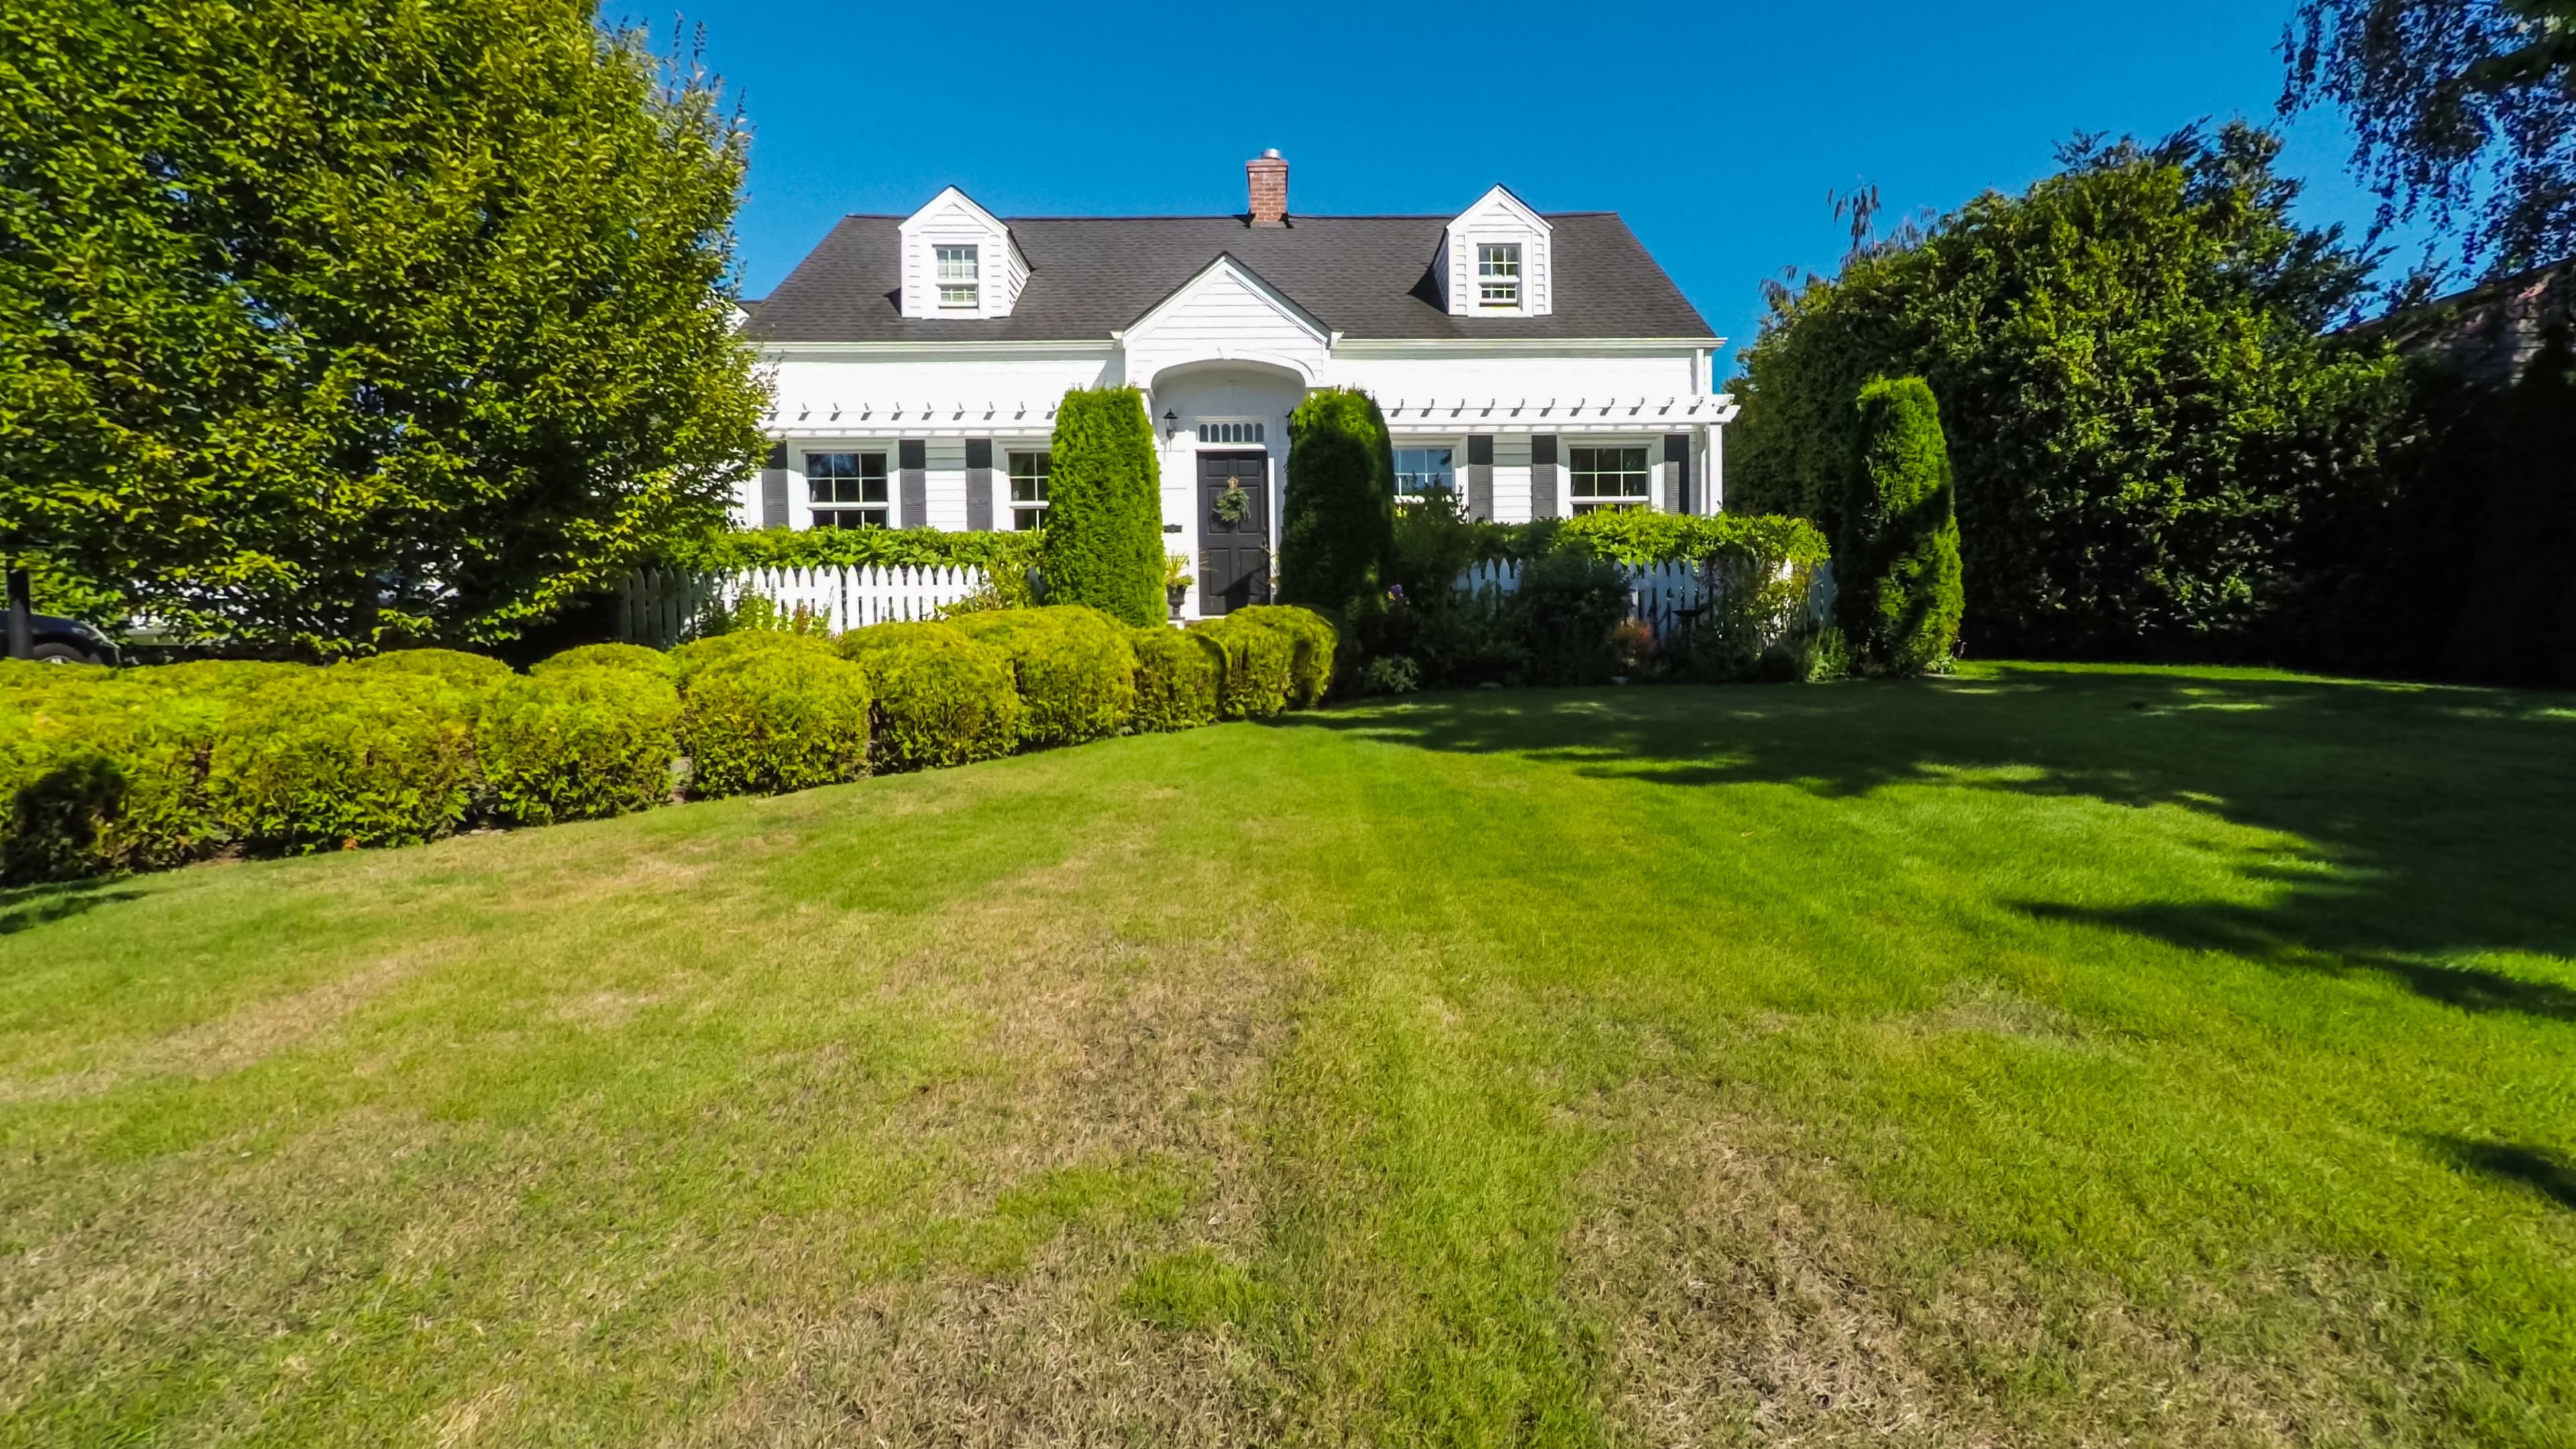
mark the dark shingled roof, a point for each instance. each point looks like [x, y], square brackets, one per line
[1364, 276]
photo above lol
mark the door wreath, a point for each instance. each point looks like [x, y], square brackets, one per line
[1233, 504]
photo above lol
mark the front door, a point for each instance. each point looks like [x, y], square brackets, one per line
[1234, 531]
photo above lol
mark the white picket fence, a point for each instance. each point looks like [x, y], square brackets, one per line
[662, 607]
[1666, 596]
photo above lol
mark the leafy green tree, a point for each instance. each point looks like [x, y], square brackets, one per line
[1900, 596]
[345, 322]
[2139, 405]
[1104, 530]
[1337, 523]
[2465, 109]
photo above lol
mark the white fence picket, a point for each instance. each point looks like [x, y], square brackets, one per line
[663, 607]
[1665, 595]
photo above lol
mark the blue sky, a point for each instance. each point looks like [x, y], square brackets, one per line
[1717, 131]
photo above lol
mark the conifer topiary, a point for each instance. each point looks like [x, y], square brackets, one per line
[1337, 524]
[1899, 564]
[1104, 528]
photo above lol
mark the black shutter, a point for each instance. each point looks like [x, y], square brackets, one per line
[979, 484]
[913, 484]
[1480, 478]
[1543, 476]
[1677, 486]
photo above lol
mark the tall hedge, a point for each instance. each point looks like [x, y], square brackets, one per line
[1337, 525]
[1104, 528]
[1900, 585]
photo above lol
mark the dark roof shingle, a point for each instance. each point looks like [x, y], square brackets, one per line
[1364, 276]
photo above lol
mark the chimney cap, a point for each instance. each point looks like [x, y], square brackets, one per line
[1270, 153]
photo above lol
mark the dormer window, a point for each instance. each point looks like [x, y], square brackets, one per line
[958, 278]
[1498, 274]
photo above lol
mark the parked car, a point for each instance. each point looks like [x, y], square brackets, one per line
[68, 641]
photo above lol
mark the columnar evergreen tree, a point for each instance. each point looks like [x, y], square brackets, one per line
[345, 321]
[1898, 566]
[1337, 525]
[1104, 530]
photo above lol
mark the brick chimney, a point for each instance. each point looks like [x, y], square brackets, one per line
[1267, 178]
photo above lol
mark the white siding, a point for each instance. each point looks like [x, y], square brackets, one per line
[945, 486]
[1499, 217]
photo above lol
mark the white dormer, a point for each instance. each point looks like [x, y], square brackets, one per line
[1497, 259]
[959, 261]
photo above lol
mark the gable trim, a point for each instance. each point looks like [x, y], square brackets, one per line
[1228, 262]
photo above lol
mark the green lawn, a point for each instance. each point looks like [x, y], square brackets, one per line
[2041, 1056]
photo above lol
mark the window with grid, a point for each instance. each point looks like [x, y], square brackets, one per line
[958, 277]
[1421, 472]
[1028, 490]
[1498, 274]
[1230, 432]
[1607, 478]
[848, 490]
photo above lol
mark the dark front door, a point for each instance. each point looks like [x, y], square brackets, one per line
[1234, 531]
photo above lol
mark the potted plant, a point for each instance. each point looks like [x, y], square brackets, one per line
[1176, 580]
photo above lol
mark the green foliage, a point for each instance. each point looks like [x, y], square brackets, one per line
[1337, 522]
[1900, 592]
[1007, 552]
[1566, 608]
[100, 775]
[1260, 665]
[608, 656]
[698, 655]
[346, 322]
[1180, 675]
[1638, 537]
[216, 678]
[770, 720]
[465, 671]
[2138, 404]
[1075, 668]
[1391, 674]
[578, 744]
[942, 698]
[1103, 543]
[338, 758]
[1313, 644]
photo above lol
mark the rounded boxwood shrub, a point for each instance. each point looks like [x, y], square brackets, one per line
[608, 656]
[343, 757]
[102, 778]
[771, 720]
[942, 698]
[1313, 642]
[577, 744]
[1179, 675]
[698, 655]
[1260, 665]
[469, 671]
[1075, 669]
[218, 678]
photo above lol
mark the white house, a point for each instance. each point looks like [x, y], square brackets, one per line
[1538, 364]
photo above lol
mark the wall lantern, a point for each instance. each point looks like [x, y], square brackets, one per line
[1171, 425]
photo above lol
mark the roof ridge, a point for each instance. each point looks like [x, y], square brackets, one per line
[1234, 216]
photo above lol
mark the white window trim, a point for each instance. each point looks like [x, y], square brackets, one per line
[803, 458]
[1566, 447]
[1519, 280]
[1010, 483]
[972, 284]
[1457, 447]
[1200, 427]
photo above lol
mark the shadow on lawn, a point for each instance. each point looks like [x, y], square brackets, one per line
[2542, 1171]
[2430, 823]
[27, 907]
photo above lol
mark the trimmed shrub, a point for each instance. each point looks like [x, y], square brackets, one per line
[218, 678]
[1103, 541]
[1075, 667]
[1901, 596]
[699, 655]
[343, 757]
[577, 744]
[942, 698]
[608, 656]
[1180, 675]
[771, 720]
[1337, 522]
[466, 671]
[102, 777]
[1313, 642]
[1260, 665]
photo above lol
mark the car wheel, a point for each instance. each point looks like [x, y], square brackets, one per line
[61, 654]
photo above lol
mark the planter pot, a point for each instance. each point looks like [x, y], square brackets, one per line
[1174, 593]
